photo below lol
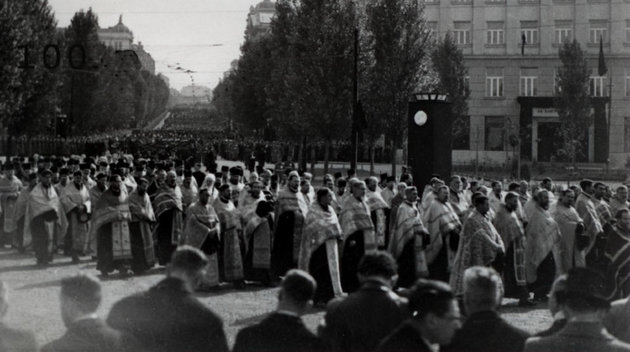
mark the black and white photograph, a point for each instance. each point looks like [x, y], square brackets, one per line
[314, 175]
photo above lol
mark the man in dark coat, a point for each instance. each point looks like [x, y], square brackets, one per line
[168, 317]
[484, 330]
[556, 307]
[434, 323]
[283, 330]
[80, 298]
[586, 305]
[358, 322]
[12, 339]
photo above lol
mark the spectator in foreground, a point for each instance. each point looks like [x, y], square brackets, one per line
[284, 330]
[13, 339]
[484, 329]
[80, 297]
[434, 323]
[359, 322]
[168, 317]
[556, 306]
[585, 306]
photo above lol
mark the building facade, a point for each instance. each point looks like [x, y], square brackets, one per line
[512, 85]
[120, 37]
[261, 14]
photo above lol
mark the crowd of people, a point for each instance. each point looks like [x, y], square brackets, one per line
[396, 268]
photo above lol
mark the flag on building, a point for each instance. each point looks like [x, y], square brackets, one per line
[601, 69]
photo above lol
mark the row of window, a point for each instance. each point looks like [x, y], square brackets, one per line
[495, 134]
[528, 83]
[563, 31]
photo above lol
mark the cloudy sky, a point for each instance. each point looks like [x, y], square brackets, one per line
[199, 35]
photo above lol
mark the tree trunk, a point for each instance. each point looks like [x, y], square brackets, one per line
[372, 160]
[313, 156]
[300, 155]
[393, 157]
[326, 155]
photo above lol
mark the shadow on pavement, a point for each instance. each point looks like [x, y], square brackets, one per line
[250, 320]
[45, 284]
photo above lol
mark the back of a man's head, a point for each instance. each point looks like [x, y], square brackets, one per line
[83, 290]
[298, 287]
[430, 297]
[482, 289]
[585, 292]
[556, 296]
[378, 264]
[188, 260]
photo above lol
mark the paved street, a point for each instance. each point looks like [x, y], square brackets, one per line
[34, 302]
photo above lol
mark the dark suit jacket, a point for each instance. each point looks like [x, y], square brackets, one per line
[16, 340]
[359, 322]
[554, 328]
[278, 333]
[168, 317]
[578, 337]
[87, 335]
[487, 332]
[405, 338]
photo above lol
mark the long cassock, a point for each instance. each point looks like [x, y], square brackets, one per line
[9, 191]
[77, 205]
[258, 252]
[95, 196]
[142, 247]
[542, 234]
[442, 222]
[291, 209]
[585, 207]
[495, 201]
[189, 195]
[458, 203]
[110, 226]
[378, 207]
[618, 255]
[230, 256]
[44, 218]
[388, 195]
[359, 237]
[169, 210]
[567, 255]
[510, 228]
[616, 205]
[202, 230]
[395, 204]
[406, 244]
[319, 252]
[603, 211]
[17, 223]
[479, 244]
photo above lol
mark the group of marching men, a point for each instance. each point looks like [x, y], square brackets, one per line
[130, 214]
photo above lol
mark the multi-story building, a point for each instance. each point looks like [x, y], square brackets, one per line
[512, 85]
[260, 15]
[120, 37]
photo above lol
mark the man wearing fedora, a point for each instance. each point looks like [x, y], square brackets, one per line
[585, 306]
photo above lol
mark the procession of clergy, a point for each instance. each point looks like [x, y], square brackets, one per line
[129, 214]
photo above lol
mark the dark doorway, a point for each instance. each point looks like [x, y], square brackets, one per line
[549, 141]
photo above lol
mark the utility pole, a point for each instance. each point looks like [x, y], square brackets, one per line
[610, 87]
[355, 104]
